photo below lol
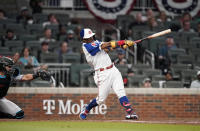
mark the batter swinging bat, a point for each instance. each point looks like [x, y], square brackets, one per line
[154, 35]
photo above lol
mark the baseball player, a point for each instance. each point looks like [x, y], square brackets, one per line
[106, 74]
[8, 74]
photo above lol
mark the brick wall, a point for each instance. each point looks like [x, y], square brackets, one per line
[148, 105]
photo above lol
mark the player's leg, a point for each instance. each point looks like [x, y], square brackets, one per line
[118, 87]
[10, 109]
[103, 83]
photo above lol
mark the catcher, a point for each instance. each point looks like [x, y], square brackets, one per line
[8, 74]
[106, 74]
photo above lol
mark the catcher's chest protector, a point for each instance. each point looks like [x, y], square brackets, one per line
[4, 85]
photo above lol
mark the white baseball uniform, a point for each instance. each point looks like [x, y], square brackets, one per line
[106, 74]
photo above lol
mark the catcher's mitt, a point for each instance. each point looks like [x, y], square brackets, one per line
[44, 75]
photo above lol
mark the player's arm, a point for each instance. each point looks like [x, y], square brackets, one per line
[108, 46]
[27, 77]
[44, 75]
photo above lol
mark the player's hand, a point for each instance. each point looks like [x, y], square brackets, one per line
[128, 43]
[44, 75]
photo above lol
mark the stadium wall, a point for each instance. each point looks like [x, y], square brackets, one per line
[66, 103]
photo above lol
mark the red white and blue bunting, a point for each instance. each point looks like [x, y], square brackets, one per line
[178, 7]
[107, 10]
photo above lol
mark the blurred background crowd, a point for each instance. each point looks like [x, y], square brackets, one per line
[43, 35]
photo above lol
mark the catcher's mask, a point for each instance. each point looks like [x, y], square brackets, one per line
[6, 62]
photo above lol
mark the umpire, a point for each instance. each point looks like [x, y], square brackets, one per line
[8, 74]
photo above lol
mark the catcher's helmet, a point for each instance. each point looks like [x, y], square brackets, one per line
[86, 33]
[5, 61]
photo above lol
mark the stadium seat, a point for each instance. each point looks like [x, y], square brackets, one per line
[33, 45]
[15, 27]
[186, 36]
[40, 17]
[4, 49]
[75, 45]
[123, 69]
[151, 72]
[75, 70]
[72, 58]
[176, 70]
[49, 58]
[174, 84]
[138, 31]
[174, 53]
[28, 37]
[155, 84]
[35, 28]
[186, 59]
[8, 21]
[13, 44]
[187, 76]
[138, 68]
[136, 80]
[84, 74]
[91, 82]
[54, 28]
[40, 83]
[195, 52]
[187, 46]
[63, 18]
[154, 44]
[195, 42]
[8, 54]
[158, 77]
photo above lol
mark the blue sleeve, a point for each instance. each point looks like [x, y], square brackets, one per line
[93, 48]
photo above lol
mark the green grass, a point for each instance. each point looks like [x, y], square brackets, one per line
[90, 126]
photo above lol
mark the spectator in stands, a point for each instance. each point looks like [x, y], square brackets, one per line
[30, 20]
[70, 36]
[186, 17]
[27, 60]
[138, 21]
[64, 49]
[62, 31]
[149, 14]
[152, 23]
[10, 35]
[168, 75]
[162, 18]
[186, 27]
[52, 20]
[146, 83]
[121, 60]
[23, 15]
[196, 83]
[163, 58]
[16, 57]
[47, 36]
[36, 6]
[2, 15]
[44, 49]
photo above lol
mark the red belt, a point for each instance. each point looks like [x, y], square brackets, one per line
[102, 69]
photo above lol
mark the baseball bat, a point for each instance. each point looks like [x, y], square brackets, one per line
[154, 35]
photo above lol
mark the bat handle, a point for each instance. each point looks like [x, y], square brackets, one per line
[138, 41]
